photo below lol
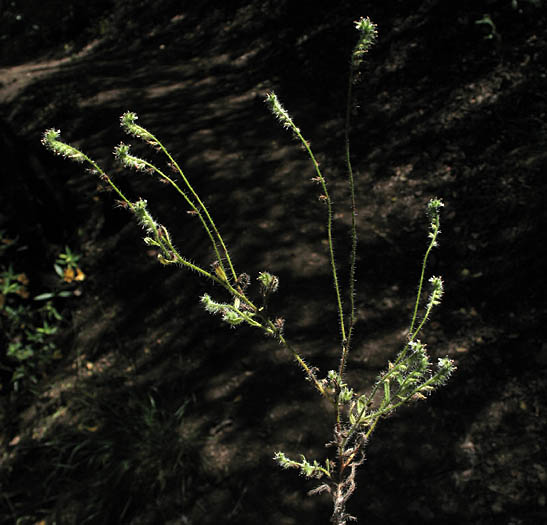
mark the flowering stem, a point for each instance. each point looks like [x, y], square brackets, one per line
[287, 122]
[433, 207]
[128, 123]
[122, 153]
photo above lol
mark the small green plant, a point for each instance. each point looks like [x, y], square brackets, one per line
[67, 267]
[29, 325]
[410, 377]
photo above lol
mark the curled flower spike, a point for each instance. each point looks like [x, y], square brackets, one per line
[433, 211]
[129, 125]
[367, 36]
[144, 218]
[367, 29]
[279, 111]
[433, 208]
[445, 367]
[121, 152]
[435, 204]
[436, 291]
[50, 141]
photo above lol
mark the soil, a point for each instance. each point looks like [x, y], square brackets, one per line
[157, 413]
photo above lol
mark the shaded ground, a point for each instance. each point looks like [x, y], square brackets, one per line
[159, 415]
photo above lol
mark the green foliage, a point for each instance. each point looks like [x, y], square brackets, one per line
[31, 324]
[410, 377]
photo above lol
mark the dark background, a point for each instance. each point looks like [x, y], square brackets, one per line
[157, 413]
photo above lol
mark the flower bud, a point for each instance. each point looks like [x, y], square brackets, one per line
[445, 367]
[269, 283]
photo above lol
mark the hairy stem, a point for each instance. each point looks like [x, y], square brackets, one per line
[353, 256]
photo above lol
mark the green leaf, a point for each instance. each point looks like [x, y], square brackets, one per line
[44, 296]
[358, 408]
[387, 396]
[17, 351]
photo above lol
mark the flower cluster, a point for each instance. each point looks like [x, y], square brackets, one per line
[268, 283]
